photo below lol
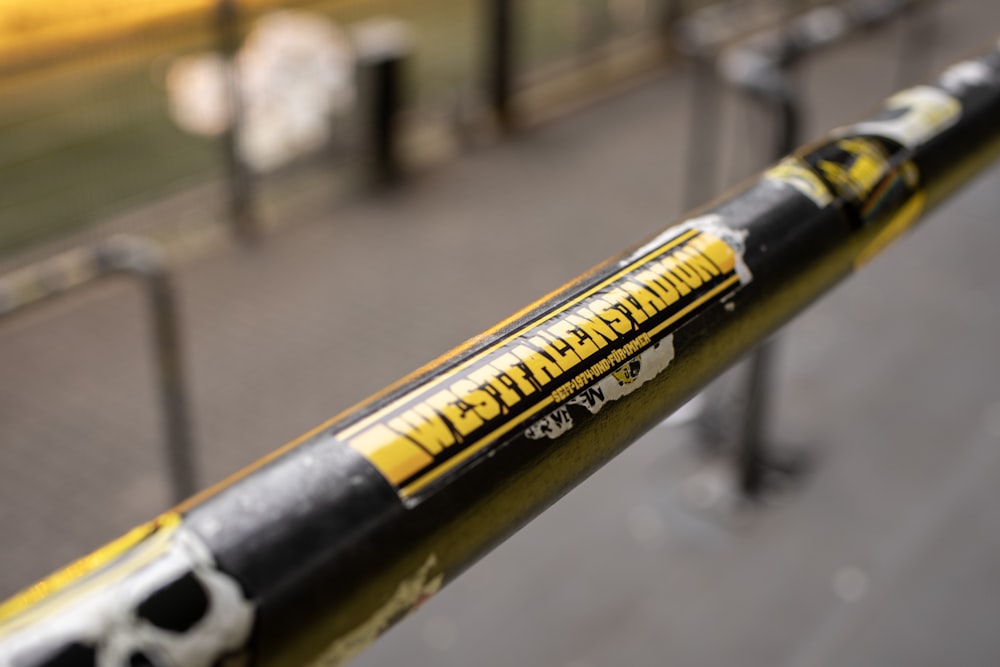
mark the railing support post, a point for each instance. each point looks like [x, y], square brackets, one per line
[500, 61]
[383, 47]
[239, 177]
[143, 259]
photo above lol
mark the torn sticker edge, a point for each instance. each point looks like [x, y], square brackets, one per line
[711, 224]
[890, 129]
[822, 197]
[661, 354]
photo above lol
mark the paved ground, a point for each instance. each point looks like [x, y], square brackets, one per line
[887, 555]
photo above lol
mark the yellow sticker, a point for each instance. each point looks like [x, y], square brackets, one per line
[877, 184]
[911, 117]
[440, 426]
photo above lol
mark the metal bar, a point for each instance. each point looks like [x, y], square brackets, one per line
[753, 457]
[670, 13]
[500, 61]
[316, 550]
[240, 179]
[733, 43]
[137, 257]
[760, 67]
[383, 52]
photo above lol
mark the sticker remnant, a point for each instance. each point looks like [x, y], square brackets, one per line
[964, 75]
[910, 117]
[877, 184]
[711, 224]
[623, 381]
[792, 171]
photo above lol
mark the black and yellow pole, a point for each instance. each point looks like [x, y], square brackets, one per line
[760, 67]
[310, 554]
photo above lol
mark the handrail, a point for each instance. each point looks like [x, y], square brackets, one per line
[314, 551]
[141, 259]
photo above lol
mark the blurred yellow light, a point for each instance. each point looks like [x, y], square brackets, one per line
[30, 27]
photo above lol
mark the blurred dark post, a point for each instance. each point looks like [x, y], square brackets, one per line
[166, 332]
[240, 185]
[670, 12]
[144, 259]
[500, 60]
[754, 459]
[383, 48]
[598, 27]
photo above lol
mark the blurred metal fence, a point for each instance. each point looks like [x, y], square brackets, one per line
[103, 118]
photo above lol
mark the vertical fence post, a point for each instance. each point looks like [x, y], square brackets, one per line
[383, 48]
[166, 332]
[753, 457]
[670, 13]
[240, 186]
[500, 61]
[146, 260]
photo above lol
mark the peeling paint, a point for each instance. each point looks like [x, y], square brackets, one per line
[408, 596]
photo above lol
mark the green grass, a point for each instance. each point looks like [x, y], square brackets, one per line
[77, 144]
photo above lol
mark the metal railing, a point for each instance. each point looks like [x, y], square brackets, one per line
[143, 260]
[314, 551]
[759, 66]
